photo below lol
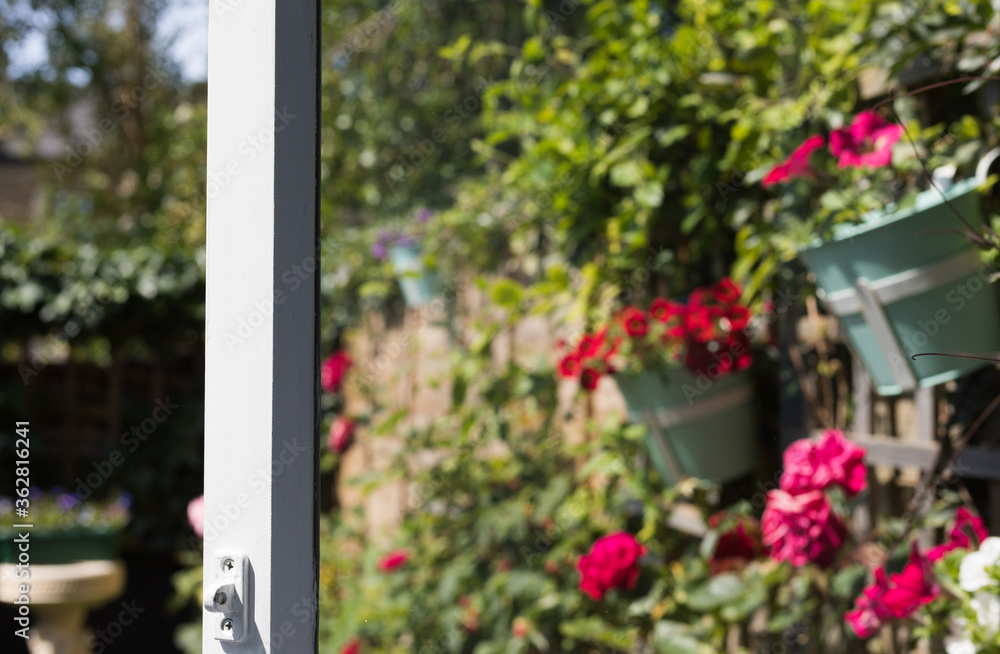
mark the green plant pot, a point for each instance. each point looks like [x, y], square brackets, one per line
[57, 547]
[697, 426]
[925, 291]
[419, 286]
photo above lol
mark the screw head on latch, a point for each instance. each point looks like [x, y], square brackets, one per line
[227, 565]
[227, 624]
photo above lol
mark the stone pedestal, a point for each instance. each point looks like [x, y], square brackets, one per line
[60, 597]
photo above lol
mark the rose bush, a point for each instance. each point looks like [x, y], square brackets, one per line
[513, 546]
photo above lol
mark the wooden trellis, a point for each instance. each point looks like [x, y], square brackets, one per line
[884, 448]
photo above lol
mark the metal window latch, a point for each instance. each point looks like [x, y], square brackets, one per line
[227, 597]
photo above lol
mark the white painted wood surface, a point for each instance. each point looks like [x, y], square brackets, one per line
[261, 420]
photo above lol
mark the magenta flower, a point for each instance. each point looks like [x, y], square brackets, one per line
[894, 597]
[333, 370]
[797, 163]
[966, 525]
[393, 560]
[802, 528]
[831, 461]
[867, 143]
[613, 562]
[341, 434]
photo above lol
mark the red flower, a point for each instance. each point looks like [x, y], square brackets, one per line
[353, 647]
[341, 434]
[590, 359]
[591, 344]
[635, 322]
[738, 317]
[520, 628]
[802, 529]
[569, 366]
[831, 461]
[959, 538]
[726, 291]
[393, 560]
[663, 310]
[737, 545]
[334, 369]
[797, 163]
[613, 562]
[699, 324]
[895, 597]
[867, 143]
[589, 378]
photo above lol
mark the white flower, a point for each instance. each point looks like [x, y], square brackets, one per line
[987, 607]
[959, 646]
[973, 573]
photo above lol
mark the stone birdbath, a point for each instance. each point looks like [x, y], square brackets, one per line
[58, 599]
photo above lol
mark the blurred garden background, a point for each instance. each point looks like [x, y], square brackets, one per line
[525, 207]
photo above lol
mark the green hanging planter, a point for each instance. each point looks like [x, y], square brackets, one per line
[900, 284]
[697, 427]
[419, 285]
[47, 547]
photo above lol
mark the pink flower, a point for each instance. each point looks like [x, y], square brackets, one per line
[894, 598]
[797, 163]
[341, 434]
[334, 369]
[831, 461]
[196, 515]
[867, 143]
[966, 524]
[802, 528]
[613, 562]
[393, 560]
[353, 647]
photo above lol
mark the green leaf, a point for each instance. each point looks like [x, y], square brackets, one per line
[753, 597]
[507, 294]
[674, 638]
[668, 137]
[848, 582]
[716, 592]
[626, 174]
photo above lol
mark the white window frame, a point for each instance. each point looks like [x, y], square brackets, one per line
[261, 334]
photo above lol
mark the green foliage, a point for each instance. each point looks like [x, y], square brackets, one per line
[142, 298]
[630, 130]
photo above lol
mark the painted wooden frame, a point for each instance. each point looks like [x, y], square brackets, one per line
[261, 367]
